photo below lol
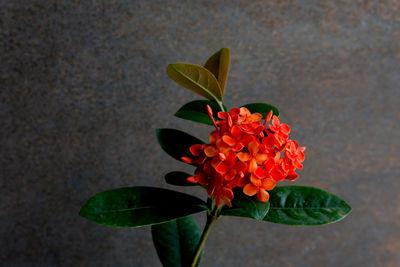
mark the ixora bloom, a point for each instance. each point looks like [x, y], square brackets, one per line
[245, 153]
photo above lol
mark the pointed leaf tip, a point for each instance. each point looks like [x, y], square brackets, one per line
[218, 64]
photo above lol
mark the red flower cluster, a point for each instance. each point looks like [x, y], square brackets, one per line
[245, 153]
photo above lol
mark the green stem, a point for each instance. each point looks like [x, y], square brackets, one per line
[211, 219]
[220, 105]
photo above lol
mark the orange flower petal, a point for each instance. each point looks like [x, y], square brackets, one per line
[196, 149]
[243, 156]
[269, 116]
[277, 174]
[229, 140]
[292, 176]
[261, 158]
[238, 147]
[262, 195]
[275, 121]
[228, 193]
[285, 128]
[301, 156]
[253, 147]
[250, 190]
[192, 179]
[227, 201]
[236, 132]
[255, 117]
[210, 151]
[230, 175]
[269, 164]
[244, 112]
[260, 172]
[202, 179]
[187, 160]
[297, 165]
[255, 180]
[268, 184]
[268, 141]
[222, 115]
[240, 166]
[222, 168]
[252, 165]
[230, 158]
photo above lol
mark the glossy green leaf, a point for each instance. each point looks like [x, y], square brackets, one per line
[245, 206]
[197, 111]
[176, 241]
[218, 64]
[262, 108]
[178, 178]
[195, 78]
[176, 143]
[303, 205]
[139, 206]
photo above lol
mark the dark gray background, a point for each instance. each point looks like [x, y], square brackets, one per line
[83, 87]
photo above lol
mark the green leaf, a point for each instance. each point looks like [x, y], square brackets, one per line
[197, 111]
[218, 64]
[303, 205]
[245, 206]
[195, 78]
[139, 206]
[176, 241]
[262, 108]
[178, 178]
[176, 143]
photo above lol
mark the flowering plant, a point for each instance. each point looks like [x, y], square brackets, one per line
[249, 151]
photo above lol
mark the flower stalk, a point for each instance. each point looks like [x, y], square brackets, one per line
[211, 219]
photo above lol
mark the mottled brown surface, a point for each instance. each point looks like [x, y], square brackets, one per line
[83, 87]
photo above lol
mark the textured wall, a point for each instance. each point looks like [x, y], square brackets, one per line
[83, 87]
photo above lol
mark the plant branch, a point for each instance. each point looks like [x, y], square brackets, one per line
[221, 106]
[211, 219]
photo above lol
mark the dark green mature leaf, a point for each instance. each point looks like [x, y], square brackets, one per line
[176, 241]
[176, 143]
[303, 205]
[197, 111]
[195, 78]
[262, 108]
[139, 206]
[245, 206]
[178, 178]
[218, 64]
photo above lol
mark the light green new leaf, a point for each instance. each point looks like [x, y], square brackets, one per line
[195, 78]
[218, 64]
[245, 206]
[197, 111]
[303, 205]
[176, 241]
[139, 206]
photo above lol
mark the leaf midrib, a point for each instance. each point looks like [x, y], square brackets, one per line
[130, 209]
[307, 208]
[198, 84]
